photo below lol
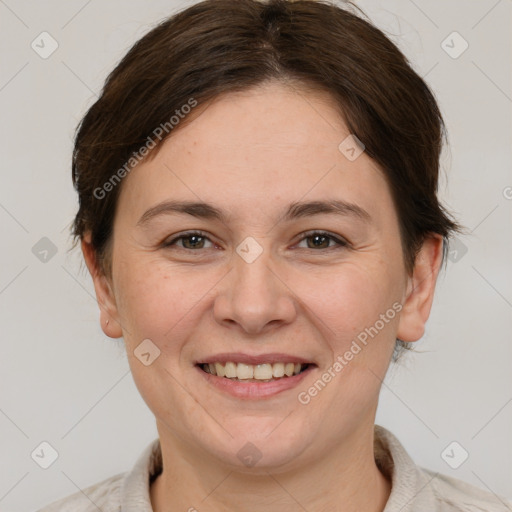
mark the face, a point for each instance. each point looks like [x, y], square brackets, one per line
[262, 279]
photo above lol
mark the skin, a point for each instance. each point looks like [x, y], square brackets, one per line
[251, 154]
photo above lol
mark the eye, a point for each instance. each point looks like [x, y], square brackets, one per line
[190, 240]
[321, 238]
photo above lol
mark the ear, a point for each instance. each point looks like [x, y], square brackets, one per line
[104, 293]
[420, 289]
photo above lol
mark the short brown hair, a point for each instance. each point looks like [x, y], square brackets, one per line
[219, 46]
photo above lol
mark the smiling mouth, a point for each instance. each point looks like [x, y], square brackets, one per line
[265, 372]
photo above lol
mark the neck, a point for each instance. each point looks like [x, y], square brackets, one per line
[348, 475]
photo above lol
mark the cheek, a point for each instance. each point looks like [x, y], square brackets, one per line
[159, 302]
[347, 299]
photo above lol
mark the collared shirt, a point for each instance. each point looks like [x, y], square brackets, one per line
[413, 489]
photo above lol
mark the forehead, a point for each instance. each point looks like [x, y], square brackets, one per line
[256, 149]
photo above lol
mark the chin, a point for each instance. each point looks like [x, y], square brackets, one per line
[261, 447]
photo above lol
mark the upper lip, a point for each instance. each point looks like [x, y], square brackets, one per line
[238, 357]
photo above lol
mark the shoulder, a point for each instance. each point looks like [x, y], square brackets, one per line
[104, 496]
[453, 494]
[417, 489]
[127, 489]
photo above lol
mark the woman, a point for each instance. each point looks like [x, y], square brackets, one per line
[258, 212]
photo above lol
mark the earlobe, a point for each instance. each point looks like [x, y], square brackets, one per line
[104, 294]
[419, 295]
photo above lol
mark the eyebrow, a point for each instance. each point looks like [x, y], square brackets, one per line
[295, 210]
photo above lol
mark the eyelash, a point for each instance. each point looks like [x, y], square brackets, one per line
[309, 234]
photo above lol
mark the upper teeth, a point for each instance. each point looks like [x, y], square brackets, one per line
[248, 371]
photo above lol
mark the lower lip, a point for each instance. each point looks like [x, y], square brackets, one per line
[255, 390]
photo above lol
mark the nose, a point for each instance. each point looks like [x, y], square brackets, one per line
[255, 296]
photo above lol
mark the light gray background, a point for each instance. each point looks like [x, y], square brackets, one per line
[64, 382]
